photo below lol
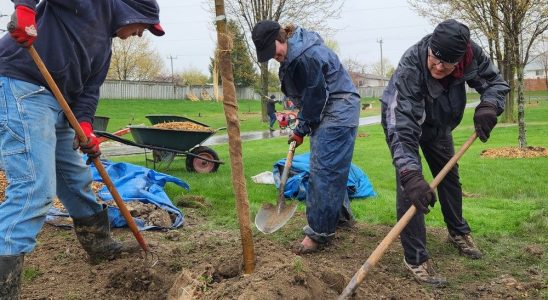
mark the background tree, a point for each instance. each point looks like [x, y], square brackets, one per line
[134, 59]
[311, 14]
[384, 68]
[193, 76]
[242, 64]
[509, 27]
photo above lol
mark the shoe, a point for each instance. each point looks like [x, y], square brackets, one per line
[465, 244]
[10, 276]
[94, 235]
[300, 248]
[425, 273]
[271, 129]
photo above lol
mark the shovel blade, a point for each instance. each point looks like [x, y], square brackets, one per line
[273, 217]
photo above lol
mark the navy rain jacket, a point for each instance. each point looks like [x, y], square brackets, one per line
[414, 99]
[312, 75]
[74, 40]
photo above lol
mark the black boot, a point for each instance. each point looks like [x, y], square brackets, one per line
[93, 232]
[10, 276]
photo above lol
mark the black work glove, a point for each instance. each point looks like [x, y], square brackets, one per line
[417, 190]
[485, 119]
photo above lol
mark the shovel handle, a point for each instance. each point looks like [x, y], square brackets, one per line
[82, 136]
[287, 166]
[360, 275]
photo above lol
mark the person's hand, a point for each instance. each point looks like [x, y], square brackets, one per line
[485, 119]
[417, 190]
[22, 26]
[91, 146]
[295, 137]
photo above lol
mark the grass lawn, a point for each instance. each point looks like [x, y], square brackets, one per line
[124, 112]
[507, 210]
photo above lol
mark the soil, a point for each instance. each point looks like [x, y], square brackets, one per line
[195, 262]
[515, 152]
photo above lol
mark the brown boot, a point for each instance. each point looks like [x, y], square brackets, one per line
[94, 235]
[425, 273]
[11, 267]
[465, 244]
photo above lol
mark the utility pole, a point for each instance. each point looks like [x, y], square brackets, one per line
[171, 58]
[382, 63]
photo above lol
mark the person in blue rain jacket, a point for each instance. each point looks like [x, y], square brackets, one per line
[312, 75]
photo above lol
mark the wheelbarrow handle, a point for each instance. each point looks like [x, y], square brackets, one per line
[360, 275]
[82, 136]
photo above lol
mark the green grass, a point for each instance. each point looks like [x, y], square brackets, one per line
[124, 112]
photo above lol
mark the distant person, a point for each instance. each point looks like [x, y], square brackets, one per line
[74, 38]
[423, 103]
[271, 111]
[312, 75]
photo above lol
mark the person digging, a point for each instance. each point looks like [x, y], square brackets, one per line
[37, 145]
[423, 102]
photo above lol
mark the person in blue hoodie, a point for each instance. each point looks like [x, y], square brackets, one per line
[37, 145]
[312, 75]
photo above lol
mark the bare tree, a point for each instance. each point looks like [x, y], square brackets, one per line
[311, 14]
[134, 59]
[510, 29]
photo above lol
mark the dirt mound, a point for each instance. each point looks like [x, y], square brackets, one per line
[137, 281]
[515, 152]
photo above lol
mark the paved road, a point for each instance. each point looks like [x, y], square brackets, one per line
[115, 149]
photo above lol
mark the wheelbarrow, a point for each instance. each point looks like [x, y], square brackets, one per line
[166, 144]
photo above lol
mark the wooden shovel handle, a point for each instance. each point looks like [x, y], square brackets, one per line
[82, 136]
[397, 229]
[285, 172]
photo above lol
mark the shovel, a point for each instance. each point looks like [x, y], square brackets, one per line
[273, 217]
[362, 272]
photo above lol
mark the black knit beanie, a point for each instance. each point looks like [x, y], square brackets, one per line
[449, 40]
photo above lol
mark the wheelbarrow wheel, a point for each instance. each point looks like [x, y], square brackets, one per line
[195, 164]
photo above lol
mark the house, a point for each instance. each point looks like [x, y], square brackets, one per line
[368, 80]
[535, 74]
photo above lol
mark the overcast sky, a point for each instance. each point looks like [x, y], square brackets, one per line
[190, 35]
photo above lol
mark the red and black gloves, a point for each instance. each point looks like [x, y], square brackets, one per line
[485, 119]
[417, 190]
[295, 137]
[22, 26]
[91, 146]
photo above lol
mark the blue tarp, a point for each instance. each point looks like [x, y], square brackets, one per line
[134, 183]
[358, 185]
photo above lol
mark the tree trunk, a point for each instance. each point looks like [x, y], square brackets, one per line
[264, 90]
[509, 74]
[522, 139]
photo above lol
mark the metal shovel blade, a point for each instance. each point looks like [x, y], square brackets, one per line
[273, 217]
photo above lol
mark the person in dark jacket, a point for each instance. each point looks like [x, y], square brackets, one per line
[423, 102]
[271, 111]
[37, 145]
[312, 75]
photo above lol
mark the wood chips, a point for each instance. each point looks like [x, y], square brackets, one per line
[515, 152]
[183, 126]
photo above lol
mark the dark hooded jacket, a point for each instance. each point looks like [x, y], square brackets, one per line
[312, 75]
[74, 41]
[414, 100]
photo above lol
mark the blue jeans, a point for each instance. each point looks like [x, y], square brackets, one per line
[37, 156]
[331, 150]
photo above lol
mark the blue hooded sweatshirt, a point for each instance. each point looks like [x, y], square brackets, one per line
[312, 75]
[74, 41]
